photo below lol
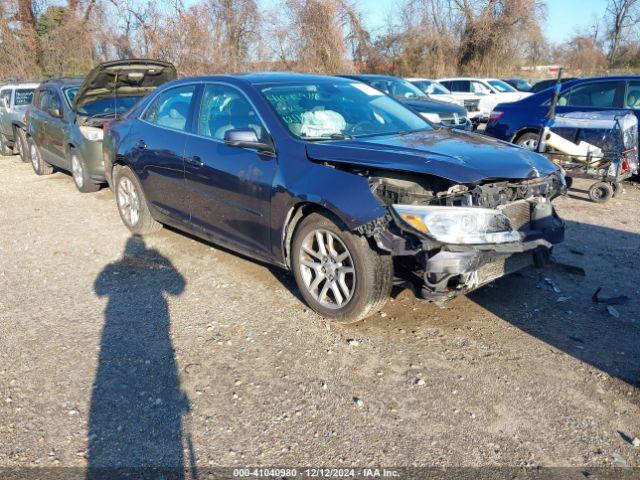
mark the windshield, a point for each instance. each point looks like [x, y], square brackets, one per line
[327, 110]
[70, 93]
[501, 86]
[23, 96]
[430, 87]
[104, 107]
[397, 88]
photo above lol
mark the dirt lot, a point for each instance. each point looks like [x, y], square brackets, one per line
[116, 352]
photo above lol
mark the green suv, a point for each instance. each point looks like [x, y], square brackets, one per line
[15, 97]
[66, 119]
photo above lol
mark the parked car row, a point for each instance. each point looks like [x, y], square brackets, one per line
[351, 189]
[520, 122]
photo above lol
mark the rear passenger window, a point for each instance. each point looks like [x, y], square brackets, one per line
[171, 108]
[460, 86]
[595, 94]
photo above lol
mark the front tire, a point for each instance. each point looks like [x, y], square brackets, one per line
[23, 148]
[39, 165]
[132, 204]
[80, 173]
[337, 272]
[528, 141]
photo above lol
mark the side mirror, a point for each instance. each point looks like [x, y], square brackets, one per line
[55, 112]
[246, 138]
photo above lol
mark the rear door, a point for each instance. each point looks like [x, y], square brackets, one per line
[229, 187]
[160, 139]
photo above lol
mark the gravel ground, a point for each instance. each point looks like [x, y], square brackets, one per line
[118, 352]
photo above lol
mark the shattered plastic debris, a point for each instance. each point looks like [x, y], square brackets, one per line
[552, 284]
[613, 312]
[619, 300]
[572, 269]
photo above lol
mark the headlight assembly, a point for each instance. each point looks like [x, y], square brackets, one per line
[458, 225]
[432, 117]
[92, 134]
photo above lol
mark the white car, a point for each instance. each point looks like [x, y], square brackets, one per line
[491, 90]
[437, 91]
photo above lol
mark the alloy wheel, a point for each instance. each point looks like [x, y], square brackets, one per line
[76, 170]
[327, 269]
[529, 144]
[128, 201]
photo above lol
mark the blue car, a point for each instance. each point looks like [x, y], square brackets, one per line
[335, 181]
[520, 122]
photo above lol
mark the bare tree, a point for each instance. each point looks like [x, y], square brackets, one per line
[621, 16]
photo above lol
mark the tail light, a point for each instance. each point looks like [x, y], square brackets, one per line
[24, 117]
[625, 166]
[105, 126]
[495, 115]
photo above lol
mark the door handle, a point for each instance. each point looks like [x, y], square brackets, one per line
[196, 161]
[140, 145]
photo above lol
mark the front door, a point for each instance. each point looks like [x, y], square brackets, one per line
[160, 138]
[230, 188]
[57, 131]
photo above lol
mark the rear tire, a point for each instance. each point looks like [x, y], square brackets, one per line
[5, 151]
[39, 165]
[21, 140]
[132, 204]
[601, 192]
[337, 272]
[528, 140]
[80, 173]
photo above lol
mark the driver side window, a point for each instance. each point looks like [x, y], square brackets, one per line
[224, 108]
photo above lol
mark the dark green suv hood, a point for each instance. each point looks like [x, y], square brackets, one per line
[124, 78]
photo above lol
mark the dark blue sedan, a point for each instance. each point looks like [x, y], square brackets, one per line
[334, 180]
[519, 122]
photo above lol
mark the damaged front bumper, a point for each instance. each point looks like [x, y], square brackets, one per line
[440, 271]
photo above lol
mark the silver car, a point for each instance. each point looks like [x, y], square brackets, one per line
[15, 97]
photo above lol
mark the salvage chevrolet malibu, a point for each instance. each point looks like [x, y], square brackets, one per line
[335, 181]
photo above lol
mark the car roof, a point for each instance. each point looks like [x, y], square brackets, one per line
[419, 79]
[260, 78]
[63, 81]
[371, 76]
[19, 84]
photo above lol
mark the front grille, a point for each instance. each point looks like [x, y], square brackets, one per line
[471, 105]
[518, 213]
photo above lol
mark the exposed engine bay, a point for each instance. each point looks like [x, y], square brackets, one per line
[441, 269]
[399, 188]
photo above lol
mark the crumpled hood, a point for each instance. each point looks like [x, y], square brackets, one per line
[131, 77]
[461, 157]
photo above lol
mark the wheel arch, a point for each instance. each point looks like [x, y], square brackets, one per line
[522, 131]
[294, 217]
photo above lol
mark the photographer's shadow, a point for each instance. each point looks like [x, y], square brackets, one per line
[135, 417]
